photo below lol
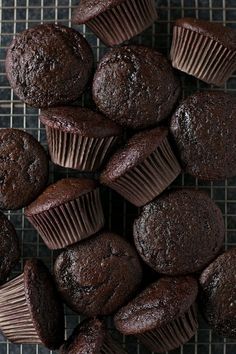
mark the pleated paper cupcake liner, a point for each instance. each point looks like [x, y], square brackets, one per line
[78, 152]
[173, 335]
[111, 347]
[123, 22]
[150, 178]
[71, 222]
[15, 320]
[202, 57]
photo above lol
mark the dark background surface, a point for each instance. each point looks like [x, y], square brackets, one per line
[15, 16]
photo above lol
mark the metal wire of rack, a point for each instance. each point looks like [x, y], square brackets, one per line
[17, 15]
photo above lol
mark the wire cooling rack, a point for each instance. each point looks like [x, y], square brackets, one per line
[17, 15]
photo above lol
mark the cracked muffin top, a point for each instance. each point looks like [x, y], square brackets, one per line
[104, 285]
[135, 86]
[49, 65]
[23, 169]
[180, 232]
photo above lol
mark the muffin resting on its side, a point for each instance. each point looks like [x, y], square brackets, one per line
[206, 50]
[204, 130]
[180, 232]
[10, 248]
[49, 65]
[163, 316]
[143, 168]
[67, 212]
[23, 169]
[97, 276]
[218, 294]
[78, 137]
[135, 86]
[115, 21]
[31, 312]
[91, 337]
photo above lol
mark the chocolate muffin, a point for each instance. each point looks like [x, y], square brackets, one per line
[204, 130]
[31, 312]
[181, 232]
[23, 169]
[135, 86]
[78, 137]
[206, 50]
[91, 337]
[49, 65]
[218, 294]
[143, 168]
[67, 212]
[163, 316]
[102, 286]
[10, 249]
[115, 21]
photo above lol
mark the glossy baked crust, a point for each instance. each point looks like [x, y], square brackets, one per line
[49, 65]
[156, 306]
[218, 294]
[44, 305]
[100, 286]
[59, 193]
[79, 120]
[222, 34]
[135, 86]
[23, 169]
[180, 232]
[204, 130]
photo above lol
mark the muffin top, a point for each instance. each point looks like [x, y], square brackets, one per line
[135, 86]
[45, 308]
[59, 193]
[88, 9]
[204, 130]
[180, 232]
[9, 250]
[136, 150]
[49, 65]
[102, 286]
[218, 294]
[23, 169]
[78, 120]
[87, 338]
[159, 304]
[217, 32]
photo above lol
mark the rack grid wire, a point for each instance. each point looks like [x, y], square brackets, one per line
[17, 15]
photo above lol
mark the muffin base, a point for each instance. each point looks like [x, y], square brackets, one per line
[123, 22]
[202, 57]
[15, 320]
[150, 178]
[173, 335]
[70, 222]
[78, 152]
[111, 347]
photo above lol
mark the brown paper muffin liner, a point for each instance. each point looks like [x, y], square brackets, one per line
[123, 22]
[15, 320]
[78, 152]
[111, 347]
[202, 57]
[150, 178]
[70, 222]
[172, 335]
